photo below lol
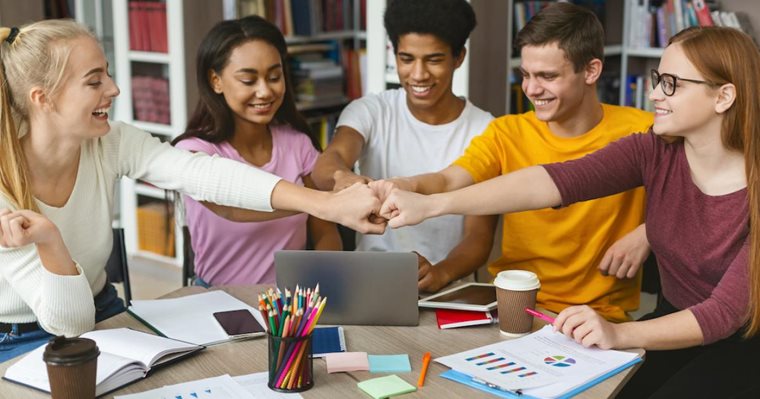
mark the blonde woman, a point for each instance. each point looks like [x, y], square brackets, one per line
[60, 161]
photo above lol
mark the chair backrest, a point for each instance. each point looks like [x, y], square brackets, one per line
[188, 258]
[117, 268]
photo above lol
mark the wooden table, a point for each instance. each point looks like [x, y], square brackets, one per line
[246, 357]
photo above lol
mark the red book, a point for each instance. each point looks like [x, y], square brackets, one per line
[450, 318]
[703, 13]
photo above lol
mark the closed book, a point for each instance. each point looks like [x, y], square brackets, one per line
[451, 318]
[125, 356]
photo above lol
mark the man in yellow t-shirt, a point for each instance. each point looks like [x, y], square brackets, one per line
[561, 52]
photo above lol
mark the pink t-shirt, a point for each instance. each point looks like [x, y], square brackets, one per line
[235, 253]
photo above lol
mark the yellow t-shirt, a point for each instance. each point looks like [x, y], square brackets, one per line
[563, 247]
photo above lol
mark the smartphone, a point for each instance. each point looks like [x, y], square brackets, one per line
[239, 323]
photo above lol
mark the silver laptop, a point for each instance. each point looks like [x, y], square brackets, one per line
[367, 288]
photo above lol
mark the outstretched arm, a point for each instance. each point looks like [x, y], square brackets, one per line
[333, 170]
[471, 253]
[525, 189]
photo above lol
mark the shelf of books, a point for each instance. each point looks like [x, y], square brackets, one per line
[636, 33]
[650, 24]
[150, 70]
[326, 51]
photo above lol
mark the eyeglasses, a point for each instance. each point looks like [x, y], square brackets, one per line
[668, 82]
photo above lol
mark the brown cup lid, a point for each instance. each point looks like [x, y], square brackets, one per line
[64, 351]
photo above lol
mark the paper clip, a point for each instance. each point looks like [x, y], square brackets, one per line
[494, 386]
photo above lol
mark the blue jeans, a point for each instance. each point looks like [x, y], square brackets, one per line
[201, 283]
[12, 344]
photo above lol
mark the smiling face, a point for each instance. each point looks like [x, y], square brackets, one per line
[80, 106]
[692, 106]
[252, 82]
[551, 83]
[426, 67]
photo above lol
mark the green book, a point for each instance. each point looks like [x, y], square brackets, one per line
[385, 387]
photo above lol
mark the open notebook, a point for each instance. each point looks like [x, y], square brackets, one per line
[125, 356]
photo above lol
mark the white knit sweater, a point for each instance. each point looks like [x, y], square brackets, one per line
[64, 304]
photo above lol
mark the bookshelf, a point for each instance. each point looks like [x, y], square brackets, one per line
[489, 83]
[156, 76]
[325, 45]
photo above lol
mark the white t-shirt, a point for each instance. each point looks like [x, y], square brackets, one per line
[398, 144]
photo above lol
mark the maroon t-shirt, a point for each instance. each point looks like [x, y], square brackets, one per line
[701, 241]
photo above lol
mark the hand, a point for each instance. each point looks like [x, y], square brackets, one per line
[384, 187]
[357, 207]
[404, 208]
[344, 180]
[429, 277]
[586, 327]
[624, 258]
[24, 227]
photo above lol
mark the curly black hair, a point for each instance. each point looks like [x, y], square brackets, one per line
[449, 20]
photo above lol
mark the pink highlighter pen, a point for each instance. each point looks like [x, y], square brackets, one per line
[540, 315]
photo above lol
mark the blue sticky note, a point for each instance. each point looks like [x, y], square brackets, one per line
[389, 363]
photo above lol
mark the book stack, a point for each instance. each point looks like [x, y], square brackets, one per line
[317, 77]
[147, 26]
[150, 99]
[452, 318]
[660, 20]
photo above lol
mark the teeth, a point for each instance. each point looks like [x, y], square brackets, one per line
[420, 89]
[541, 102]
[101, 111]
[261, 106]
[661, 111]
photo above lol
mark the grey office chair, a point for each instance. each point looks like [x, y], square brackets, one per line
[188, 258]
[117, 268]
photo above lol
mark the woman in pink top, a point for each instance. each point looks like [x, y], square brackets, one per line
[701, 172]
[246, 112]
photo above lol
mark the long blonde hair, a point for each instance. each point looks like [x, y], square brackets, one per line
[36, 57]
[726, 55]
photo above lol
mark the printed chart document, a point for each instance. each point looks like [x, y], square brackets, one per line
[542, 364]
[190, 318]
[125, 355]
[222, 387]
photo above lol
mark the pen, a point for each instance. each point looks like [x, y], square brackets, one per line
[539, 315]
[425, 364]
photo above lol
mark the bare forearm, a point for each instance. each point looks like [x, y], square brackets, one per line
[474, 249]
[246, 215]
[287, 196]
[674, 331]
[526, 189]
[55, 257]
[329, 167]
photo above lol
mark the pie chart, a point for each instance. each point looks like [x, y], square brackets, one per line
[559, 361]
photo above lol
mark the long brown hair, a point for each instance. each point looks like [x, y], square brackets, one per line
[726, 55]
[36, 56]
[212, 119]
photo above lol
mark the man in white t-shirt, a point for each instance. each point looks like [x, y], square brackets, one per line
[419, 128]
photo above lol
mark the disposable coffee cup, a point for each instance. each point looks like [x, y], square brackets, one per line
[71, 367]
[515, 291]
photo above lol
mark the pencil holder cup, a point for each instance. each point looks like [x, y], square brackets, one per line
[290, 363]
